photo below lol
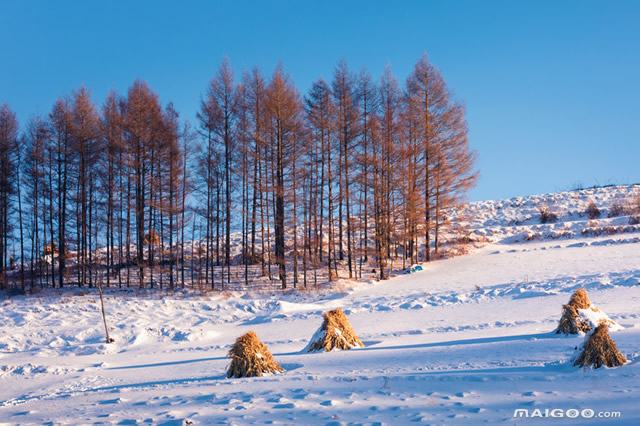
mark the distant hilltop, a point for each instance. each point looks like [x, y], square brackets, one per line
[592, 212]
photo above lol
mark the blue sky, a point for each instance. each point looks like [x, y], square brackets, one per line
[552, 87]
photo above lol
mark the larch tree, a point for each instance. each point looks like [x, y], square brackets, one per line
[37, 135]
[390, 134]
[454, 166]
[217, 118]
[284, 113]
[112, 139]
[347, 120]
[380, 205]
[367, 95]
[85, 130]
[142, 118]
[60, 130]
[170, 202]
[243, 136]
[256, 93]
[426, 93]
[355, 175]
[439, 126]
[410, 159]
[320, 113]
[188, 141]
[9, 155]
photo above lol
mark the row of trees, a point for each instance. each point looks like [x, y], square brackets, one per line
[354, 174]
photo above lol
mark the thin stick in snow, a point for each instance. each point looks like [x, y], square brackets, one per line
[104, 317]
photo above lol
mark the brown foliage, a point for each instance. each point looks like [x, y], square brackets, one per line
[335, 333]
[251, 358]
[600, 350]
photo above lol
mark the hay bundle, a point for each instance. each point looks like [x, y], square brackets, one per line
[570, 321]
[599, 350]
[251, 358]
[52, 249]
[335, 333]
[580, 316]
[580, 299]
[151, 239]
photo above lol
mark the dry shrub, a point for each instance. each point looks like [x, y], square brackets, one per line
[634, 206]
[617, 208]
[570, 321]
[599, 350]
[592, 224]
[595, 231]
[335, 333]
[252, 259]
[251, 358]
[546, 215]
[592, 210]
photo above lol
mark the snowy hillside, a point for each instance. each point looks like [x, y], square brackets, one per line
[518, 219]
[467, 340]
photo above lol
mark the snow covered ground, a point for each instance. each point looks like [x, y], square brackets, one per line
[466, 340]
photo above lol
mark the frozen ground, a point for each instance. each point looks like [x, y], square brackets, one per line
[467, 340]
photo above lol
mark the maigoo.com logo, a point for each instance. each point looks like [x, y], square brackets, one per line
[559, 413]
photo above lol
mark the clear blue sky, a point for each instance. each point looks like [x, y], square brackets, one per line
[552, 87]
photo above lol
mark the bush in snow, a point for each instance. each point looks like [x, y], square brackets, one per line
[251, 358]
[592, 210]
[634, 206]
[335, 333]
[617, 208]
[600, 349]
[546, 215]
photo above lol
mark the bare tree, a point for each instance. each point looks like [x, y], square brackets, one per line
[348, 114]
[9, 155]
[113, 138]
[37, 135]
[217, 117]
[367, 94]
[284, 113]
[360, 171]
[320, 113]
[142, 116]
[85, 130]
[441, 132]
[60, 129]
[390, 131]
